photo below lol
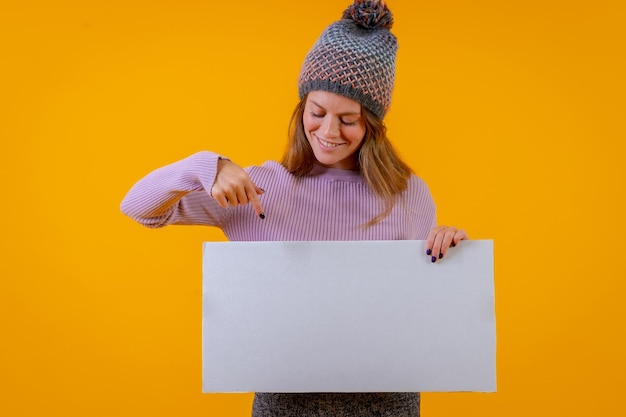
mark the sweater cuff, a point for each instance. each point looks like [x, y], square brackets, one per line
[203, 167]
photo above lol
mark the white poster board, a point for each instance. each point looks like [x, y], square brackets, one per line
[366, 316]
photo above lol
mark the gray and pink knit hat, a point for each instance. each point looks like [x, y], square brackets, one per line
[355, 57]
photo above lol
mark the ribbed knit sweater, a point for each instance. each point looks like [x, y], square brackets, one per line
[326, 204]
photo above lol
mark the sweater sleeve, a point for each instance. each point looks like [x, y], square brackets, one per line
[423, 207]
[177, 194]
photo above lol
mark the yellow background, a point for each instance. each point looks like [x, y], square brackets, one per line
[513, 112]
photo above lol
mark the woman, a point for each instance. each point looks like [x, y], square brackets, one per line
[339, 179]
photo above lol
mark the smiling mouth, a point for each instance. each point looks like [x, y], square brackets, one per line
[328, 144]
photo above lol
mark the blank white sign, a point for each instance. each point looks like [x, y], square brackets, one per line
[366, 316]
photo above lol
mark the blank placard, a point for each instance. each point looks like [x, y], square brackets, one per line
[366, 316]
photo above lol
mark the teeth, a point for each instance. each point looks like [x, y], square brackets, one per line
[328, 144]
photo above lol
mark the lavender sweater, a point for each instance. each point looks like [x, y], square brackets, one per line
[327, 204]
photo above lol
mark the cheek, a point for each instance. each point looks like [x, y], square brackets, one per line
[307, 129]
[309, 124]
[357, 137]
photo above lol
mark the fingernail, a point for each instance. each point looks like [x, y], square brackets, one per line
[261, 189]
[440, 255]
[262, 216]
[428, 252]
[433, 259]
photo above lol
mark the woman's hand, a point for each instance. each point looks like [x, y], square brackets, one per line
[234, 187]
[441, 238]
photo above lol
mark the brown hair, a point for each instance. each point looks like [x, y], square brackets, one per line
[385, 173]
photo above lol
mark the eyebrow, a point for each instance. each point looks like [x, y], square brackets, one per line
[340, 114]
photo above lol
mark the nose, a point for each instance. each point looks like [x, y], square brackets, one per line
[330, 127]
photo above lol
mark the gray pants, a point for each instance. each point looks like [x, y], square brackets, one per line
[392, 404]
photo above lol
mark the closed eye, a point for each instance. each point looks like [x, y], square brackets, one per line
[343, 122]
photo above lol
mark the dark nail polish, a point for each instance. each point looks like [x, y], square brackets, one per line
[262, 216]
[428, 252]
[440, 255]
[433, 259]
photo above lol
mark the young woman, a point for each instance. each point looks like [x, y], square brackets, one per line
[339, 179]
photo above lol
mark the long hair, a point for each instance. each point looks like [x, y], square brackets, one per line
[385, 173]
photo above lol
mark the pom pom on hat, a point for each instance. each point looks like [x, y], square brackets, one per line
[355, 57]
[370, 14]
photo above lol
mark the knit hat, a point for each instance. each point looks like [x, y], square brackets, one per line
[355, 57]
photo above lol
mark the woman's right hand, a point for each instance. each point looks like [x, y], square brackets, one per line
[233, 187]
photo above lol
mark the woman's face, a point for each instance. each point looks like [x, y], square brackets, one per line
[335, 128]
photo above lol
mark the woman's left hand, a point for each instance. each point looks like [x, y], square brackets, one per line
[441, 238]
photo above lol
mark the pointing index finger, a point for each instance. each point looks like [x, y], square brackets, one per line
[253, 198]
